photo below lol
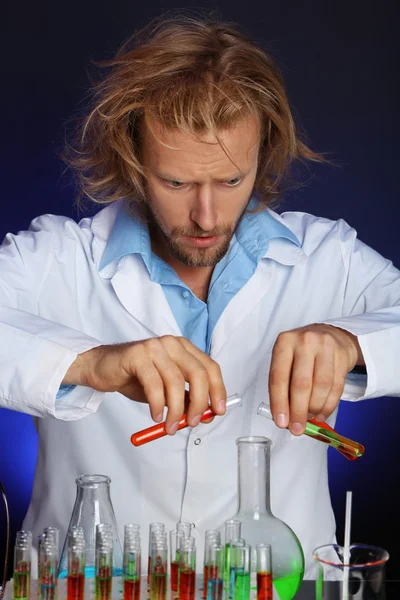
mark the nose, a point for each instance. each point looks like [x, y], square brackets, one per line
[203, 211]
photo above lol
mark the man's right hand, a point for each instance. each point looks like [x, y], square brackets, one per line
[155, 371]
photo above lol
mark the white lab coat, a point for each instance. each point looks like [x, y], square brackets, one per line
[55, 304]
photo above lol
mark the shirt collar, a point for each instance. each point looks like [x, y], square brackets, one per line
[131, 236]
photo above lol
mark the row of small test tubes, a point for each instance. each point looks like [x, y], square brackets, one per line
[227, 569]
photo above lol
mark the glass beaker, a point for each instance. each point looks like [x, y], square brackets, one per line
[92, 507]
[259, 525]
[363, 578]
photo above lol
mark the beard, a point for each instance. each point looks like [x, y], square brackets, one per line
[189, 256]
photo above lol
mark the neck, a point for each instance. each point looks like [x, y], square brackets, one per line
[253, 475]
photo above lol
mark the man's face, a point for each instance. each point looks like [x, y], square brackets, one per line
[196, 194]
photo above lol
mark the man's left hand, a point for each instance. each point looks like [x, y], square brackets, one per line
[308, 371]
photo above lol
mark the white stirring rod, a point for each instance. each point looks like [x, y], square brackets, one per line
[346, 551]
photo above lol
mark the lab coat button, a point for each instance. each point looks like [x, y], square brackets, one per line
[197, 441]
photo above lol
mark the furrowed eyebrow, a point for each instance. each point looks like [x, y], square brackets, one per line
[169, 177]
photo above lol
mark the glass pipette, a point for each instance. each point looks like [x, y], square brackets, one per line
[157, 431]
[323, 433]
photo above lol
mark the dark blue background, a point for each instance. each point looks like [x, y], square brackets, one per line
[340, 64]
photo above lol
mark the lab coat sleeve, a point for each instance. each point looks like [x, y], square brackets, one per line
[371, 311]
[35, 353]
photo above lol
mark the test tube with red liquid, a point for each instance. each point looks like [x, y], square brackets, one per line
[76, 569]
[159, 568]
[157, 431]
[131, 562]
[103, 562]
[187, 570]
[264, 572]
[154, 528]
[183, 529]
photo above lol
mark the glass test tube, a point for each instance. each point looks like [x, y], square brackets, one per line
[323, 433]
[242, 573]
[48, 567]
[159, 569]
[187, 569]
[156, 431]
[264, 572]
[183, 529]
[232, 531]
[131, 562]
[103, 562]
[212, 536]
[233, 545]
[153, 527]
[76, 568]
[22, 565]
[215, 581]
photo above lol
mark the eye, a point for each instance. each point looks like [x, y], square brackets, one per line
[233, 182]
[176, 185]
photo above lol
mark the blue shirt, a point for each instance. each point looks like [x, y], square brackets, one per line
[197, 319]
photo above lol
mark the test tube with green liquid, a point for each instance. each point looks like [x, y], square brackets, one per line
[323, 433]
[232, 531]
[242, 573]
[22, 565]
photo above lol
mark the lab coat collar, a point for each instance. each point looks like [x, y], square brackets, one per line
[262, 235]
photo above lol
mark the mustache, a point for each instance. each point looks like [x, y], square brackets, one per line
[199, 232]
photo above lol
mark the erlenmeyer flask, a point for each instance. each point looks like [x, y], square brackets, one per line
[259, 525]
[92, 507]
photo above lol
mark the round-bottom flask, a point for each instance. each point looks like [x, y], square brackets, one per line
[260, 526]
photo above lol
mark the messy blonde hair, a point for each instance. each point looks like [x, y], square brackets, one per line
[195, 75]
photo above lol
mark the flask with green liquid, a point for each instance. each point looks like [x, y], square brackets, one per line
[260, 526]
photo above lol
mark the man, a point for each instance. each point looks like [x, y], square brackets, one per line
[187, 280]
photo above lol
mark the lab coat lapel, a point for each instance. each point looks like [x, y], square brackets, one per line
[241, 305]
[142, 298]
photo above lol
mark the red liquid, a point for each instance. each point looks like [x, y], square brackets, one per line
[174, 576]
[148, 570]
[264, 586]
[103, 584]
[76, 586]
[132, 589]
[187, 584]
[205, 581]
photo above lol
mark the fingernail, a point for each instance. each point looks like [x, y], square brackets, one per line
[281, 420]
[320, 418]
[310, 416]
[195, 420]
[221, 407]
[297, 427]
[173, 428]
[158, 418]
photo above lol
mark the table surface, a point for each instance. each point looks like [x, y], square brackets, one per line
[306, 591]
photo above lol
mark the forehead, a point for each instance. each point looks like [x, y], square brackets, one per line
[174, 148]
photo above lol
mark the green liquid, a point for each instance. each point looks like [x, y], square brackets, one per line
[227, 565]
[287, 587]
[242, 586]
[21, 585]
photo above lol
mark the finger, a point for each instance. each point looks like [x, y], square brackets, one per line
[279, 379]
[216, 386]
[323, 379]
[150, 389]
[335, 394]
[174, 389]
[301, 385]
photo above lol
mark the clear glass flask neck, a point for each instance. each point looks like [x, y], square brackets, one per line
[253, 492]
